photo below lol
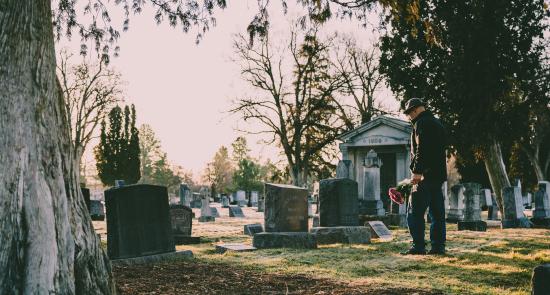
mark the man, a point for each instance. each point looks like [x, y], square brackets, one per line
[429, 171]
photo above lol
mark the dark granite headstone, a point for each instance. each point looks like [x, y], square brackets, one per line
[540, 281]
[379, 230]
[235, 211]
[472, 209]
[252, 229]
[456, 202]
[182, 221]
[338, 202]
[225, 201]
[97, 210]
[86, 194]
[138, 221]
[185, 195]
[215, 212]
[492, 211]
[541, 214]
[285, 208]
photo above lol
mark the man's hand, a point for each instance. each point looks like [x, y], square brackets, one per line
[416, 178]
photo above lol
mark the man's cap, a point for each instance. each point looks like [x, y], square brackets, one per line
[412, 104]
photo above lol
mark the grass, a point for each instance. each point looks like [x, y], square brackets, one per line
[493, 262]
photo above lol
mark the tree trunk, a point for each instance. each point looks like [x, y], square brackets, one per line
[494, 164]
[48, 244]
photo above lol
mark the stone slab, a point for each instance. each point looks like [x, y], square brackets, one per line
[233, 247]
[342, 234]
[472, 225]
[379, 230]
[235, 211]
[252, 229]
[153, 258]
[298, 240]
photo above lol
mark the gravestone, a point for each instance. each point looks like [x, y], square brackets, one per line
[97, 211]
[456, 202]
[241, 198]
[196, 200]
[214, 212]
[252, 229]
[254, 198]
[541, 214]
[225, 201]
[472, 210]
[338, 202]
[398, 215]
[235, 211]
[185, 195]
[261, 205]
[344, 169]
[285, 219]
[138, 221]
[86, 194]
[371, 204]
[342, 234]
[513, 209]
[540, 281]
[379, 230]
[485, 199]
[315, 221]
[181, 218]
[220, 249]
[206, 212]
[492, 212]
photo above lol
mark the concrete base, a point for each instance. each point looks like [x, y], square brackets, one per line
[541, 222]
[472, 225]
[299, 240]
[516, 223]
[186, 240]
[153, 258]
[207, 219]
[341, 234]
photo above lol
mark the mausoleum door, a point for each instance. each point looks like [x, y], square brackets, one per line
[387, 177]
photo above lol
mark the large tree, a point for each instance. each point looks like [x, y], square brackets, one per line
[219, 171]
[467, 59]
[48, 242]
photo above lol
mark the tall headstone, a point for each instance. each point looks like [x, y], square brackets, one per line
[338, 202]
[225, 201]
[344, 169]
[254, 198]
[261, 204]
[285, 218]
[456, 202]
[485, 199]
[492, 212]
[513, 209]
[185, 195]
[138, 221]
[206, 211]
[241, 198]
[541, 214]
[196, 200]
[371, 204]
[472, 210]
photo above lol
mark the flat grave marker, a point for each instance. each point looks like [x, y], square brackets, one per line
[379, 230]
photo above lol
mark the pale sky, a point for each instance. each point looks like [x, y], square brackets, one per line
[184, 90]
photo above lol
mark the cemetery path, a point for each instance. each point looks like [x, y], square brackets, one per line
[195, 277]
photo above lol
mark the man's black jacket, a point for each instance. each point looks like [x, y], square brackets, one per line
[428, 141]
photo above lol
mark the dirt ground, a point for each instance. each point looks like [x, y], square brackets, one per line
[194, 277]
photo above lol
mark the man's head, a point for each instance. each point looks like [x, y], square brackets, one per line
[414, 107]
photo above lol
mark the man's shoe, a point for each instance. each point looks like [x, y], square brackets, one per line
[414, 251]
[437, 251]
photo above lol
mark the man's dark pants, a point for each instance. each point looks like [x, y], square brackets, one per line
[427, 195]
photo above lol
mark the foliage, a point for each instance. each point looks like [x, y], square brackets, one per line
[117, 154]
[247, 176]
[219, 171]
[240, 149]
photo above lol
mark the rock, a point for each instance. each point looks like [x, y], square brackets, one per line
[342, 234]
[299, 240]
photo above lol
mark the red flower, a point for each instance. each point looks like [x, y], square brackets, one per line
[396, 196]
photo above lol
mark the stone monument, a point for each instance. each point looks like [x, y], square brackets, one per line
[472, 210]
[240, 197]
[513, 209]
[285, 219]
[206, 211]
[344, 169]
[371, 204]
[97, 210]
[254, 198]
[185, 195]
[456, 204]
[541, 214]
[138, 221]
[182, 221]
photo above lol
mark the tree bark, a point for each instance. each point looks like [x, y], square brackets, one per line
[494, 164]
[48, 244]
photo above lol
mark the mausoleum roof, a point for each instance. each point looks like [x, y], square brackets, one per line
[393, 122]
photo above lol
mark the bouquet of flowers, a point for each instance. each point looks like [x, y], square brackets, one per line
[400, 193]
